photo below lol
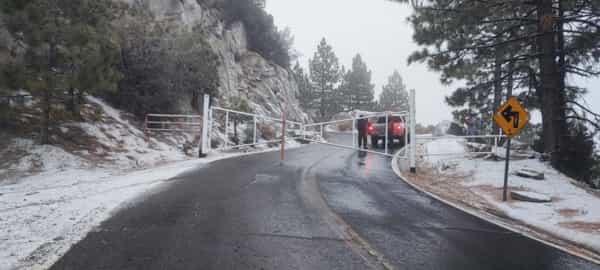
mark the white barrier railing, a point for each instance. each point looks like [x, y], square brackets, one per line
[256, 119]
[204, 125]
[172, 122]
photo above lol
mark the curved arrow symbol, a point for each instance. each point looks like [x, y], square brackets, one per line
[508, 114]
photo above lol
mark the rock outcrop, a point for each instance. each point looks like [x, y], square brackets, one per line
[242, 72]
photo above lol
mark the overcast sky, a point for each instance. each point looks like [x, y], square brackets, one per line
[377, 29]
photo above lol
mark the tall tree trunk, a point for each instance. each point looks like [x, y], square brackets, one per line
[322, 109]
[511, 79]
[75, 100]
[497, 87]
[563, 132]
[71, 102]
[47, 98]
[45, 129]
[552, 122]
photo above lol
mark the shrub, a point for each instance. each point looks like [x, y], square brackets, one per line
[344, 126]
[267, 132]
[578, 159]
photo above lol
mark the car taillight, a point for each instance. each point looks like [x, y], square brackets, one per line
[398, 126]
[370, 127]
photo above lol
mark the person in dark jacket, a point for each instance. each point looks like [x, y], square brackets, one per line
[362, 125]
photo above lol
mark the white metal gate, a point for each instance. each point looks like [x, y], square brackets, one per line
[313, 132]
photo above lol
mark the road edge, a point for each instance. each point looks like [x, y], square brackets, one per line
[61, 250]
[310, 185]
[486, 216]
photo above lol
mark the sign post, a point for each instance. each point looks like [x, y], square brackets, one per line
[511, 118]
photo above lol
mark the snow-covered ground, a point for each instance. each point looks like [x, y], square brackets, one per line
[573, 214]
[52, 196]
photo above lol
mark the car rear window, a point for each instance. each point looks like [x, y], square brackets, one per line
[381, 120]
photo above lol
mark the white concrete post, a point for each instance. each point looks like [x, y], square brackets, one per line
[204, 144]
[210, 124]
[413, 133]
[255, 126]
[321, 130]
[226, 129]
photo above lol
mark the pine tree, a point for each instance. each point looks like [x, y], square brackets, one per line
[358, 89]
[394, 96]
[305, 87]
[526, 48]
[325, 73]
[67, 46]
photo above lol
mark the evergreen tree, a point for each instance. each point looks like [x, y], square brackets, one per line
[325, 73]
[358, 89]
[68, 46]
[394, 96]
[306, 94]
[526, 48]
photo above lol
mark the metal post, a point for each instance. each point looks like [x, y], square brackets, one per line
[505, 190]
[321, 130]
[303, 128]
[412, 133]
[405, 136]
[386, 142]
[226, 129]
[210, 124]
[354, 137]
[255, 126]
[283, 124]
[495, 144]
[205, 126]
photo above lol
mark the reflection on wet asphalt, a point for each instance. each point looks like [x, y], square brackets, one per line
[414, 231]
[252, 212]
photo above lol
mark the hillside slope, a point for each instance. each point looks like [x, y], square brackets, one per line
[242, 72]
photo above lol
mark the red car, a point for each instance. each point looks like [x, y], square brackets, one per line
[396, 130]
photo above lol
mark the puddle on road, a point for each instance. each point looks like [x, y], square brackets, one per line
[350, 198]
[265, 179]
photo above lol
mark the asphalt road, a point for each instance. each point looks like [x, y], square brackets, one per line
[323, 208]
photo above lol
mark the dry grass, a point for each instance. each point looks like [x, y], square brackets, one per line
[588, 227]
[266, 132]
[569, 212]
[448, 186]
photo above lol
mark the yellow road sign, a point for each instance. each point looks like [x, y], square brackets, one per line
[511, 117]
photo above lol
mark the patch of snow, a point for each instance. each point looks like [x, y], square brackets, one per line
[110, 111]
[44, 157]
[58, 196]
[45, 214]
[532, 195]
[546, 216]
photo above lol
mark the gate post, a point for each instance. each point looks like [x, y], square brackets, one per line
[204, 140]
[354, 131]
[413, 133]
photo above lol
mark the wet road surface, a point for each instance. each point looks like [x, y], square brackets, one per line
[252, 212]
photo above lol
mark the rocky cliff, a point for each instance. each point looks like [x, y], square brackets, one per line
[242, 73]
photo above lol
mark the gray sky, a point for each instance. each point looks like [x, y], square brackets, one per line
[377, 29]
